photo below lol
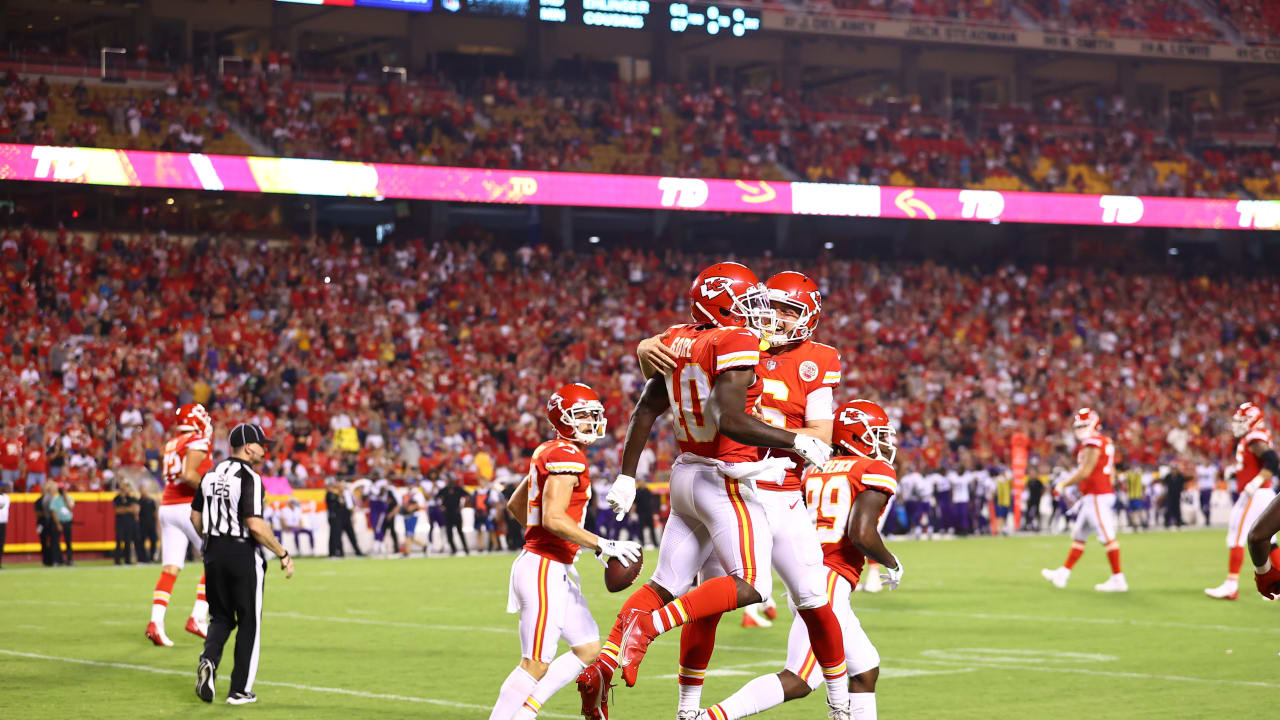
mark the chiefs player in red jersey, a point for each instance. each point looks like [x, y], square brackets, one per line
[1095, 473]
[545, 589]
[185, 460]
[715, 509]
[797, 376]
[1256, 464]
[846, 498]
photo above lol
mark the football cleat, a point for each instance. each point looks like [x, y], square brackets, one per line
[155, 634]
[593, 686]
[1115, 583]
[771, 609]
[195, 627]
[752, 617]
[1057, 577]
[637, 633]
[241, 698]
[1228, 590]
[835, 712]
[205, 673]
[689, 714]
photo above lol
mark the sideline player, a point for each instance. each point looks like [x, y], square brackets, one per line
[1096, 458]
[186, 459]
[1256, 464]
[545, 589]
[847, 517]
[797, 376]
[714, 508]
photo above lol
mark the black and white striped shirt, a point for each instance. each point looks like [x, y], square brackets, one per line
[229, 494]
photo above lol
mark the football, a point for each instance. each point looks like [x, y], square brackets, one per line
[618, 578]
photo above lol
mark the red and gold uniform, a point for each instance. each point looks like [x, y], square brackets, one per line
[545, 589]
[176, 530]
[1248, 506]
[703, 353]
[1097, 511]
[796, 388]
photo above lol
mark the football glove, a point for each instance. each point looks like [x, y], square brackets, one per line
[891, 577]
[1267, 577]
[622, 495]
[814, 451]
[626, 551]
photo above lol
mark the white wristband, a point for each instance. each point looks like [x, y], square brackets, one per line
[1263, 569]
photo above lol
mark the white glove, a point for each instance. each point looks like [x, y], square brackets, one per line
[622, 495]
[1252, 487]
[814, 451]
[626, 551]
[891, 577]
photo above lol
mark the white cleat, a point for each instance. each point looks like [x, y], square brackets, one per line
[1057, 577]
[839, 713]
[752, 617]
[1115, 583]
[1228, 590]
[689, 714]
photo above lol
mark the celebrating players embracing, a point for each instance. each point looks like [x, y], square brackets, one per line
[1095, 473]
[1256, 464]
[714, 506]
[797, 376]
[545, 590]
[186, 459]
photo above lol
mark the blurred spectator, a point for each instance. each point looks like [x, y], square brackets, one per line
[451, 498]
[336, 510]
[126, 507]
[47, 522]
[4, 517]
[147, 535]
[11, 455]
[297, 523]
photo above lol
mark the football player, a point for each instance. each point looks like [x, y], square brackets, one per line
[1095, 474]
[714, 510]
[797, 375]
[545, 590]
[847, 499]
[1256, 464]
[186, 459]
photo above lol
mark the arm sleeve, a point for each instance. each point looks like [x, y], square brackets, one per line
[737, 350]
[197, 501]
[250, 495]
[879, 475]
[819, 404]
[831, 373]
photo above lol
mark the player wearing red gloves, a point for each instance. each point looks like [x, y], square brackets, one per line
[1266, 560]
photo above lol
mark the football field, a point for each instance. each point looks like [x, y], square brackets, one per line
[973, 632]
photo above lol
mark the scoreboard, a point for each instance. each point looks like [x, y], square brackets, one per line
[716, 19]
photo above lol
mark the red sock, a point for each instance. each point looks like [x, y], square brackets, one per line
[200, 597]
[1235, 561]
[164, 588]
[697, 641]
[825, 637]
[1113, 557]
[646, 599]
[1077, 549]
[713, 597]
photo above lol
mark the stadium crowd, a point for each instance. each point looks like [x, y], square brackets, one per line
[411, 361]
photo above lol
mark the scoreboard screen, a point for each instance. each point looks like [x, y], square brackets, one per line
[718, 19]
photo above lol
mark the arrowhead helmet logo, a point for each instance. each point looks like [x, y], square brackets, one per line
[714, 286]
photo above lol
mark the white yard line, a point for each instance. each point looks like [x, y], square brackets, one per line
[1072, 620]
[1085, 671]
[293, 686]
[392, 623]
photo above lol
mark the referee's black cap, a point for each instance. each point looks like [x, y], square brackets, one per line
[246, 433]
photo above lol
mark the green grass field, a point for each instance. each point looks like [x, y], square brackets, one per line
[974, 632]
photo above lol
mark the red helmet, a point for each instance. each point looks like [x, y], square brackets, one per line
[1086, 423]
[572, 406]
[728, 294]
[863, 428]
[192, 417]
[796, 291]
[1247, 417]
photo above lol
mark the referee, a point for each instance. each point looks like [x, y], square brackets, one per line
[228, 511]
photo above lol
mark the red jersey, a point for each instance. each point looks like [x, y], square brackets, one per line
[177, 492]
[37, 461]
[555, 457]
[830, 492]
[796, 386]
[10, 454]
[1247, 464]
[1102, 480]
[702, 354]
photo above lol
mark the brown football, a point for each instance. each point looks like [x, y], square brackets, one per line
[618, 578]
